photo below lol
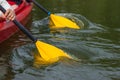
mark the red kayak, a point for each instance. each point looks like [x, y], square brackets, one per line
[7, 29]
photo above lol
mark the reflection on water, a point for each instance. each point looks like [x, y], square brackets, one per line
[98, 53]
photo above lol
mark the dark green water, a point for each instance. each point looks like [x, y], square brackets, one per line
[97, 44]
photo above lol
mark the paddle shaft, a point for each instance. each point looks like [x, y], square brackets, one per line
[24, 30]
[21, 27]
[41, 7]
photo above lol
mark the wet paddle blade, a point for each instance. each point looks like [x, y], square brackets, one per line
[49, 52]
[61, 22]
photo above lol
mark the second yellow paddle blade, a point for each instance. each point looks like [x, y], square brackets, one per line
[61, 22]
[49, 52]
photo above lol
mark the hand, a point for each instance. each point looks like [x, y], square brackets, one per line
[9, 14]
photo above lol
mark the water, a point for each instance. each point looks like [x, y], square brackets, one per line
[96, 45]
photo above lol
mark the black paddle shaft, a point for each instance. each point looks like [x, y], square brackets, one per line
[21, 27]
[41, 7]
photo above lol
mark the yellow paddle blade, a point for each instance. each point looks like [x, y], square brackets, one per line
[61, 22]
[50, 53]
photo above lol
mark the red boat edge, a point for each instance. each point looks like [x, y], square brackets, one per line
[7, 29]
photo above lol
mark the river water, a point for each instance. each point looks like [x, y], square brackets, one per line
[96, 44]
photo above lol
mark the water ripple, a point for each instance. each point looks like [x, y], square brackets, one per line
[95, 45]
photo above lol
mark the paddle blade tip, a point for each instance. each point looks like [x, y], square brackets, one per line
[48, 54]
[61, 22]
[48, 51]
[39, 61]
